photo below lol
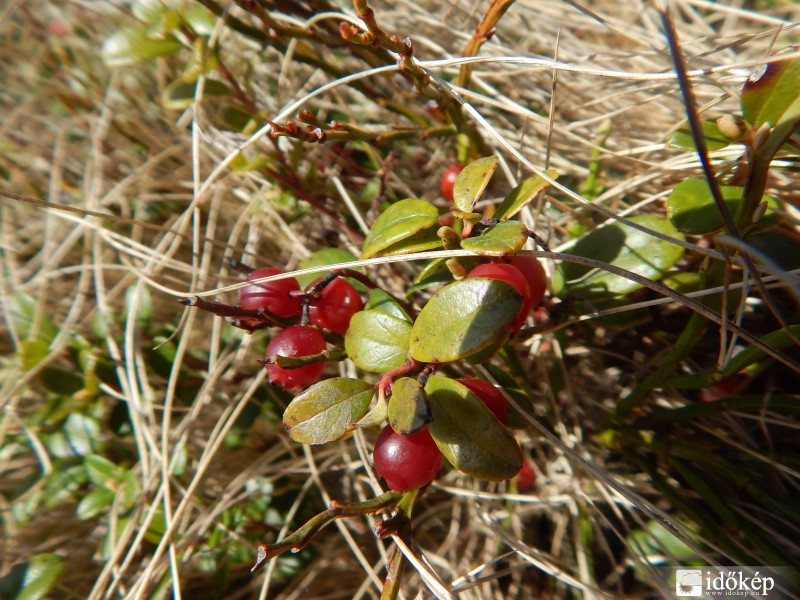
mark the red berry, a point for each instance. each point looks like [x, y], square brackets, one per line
[293, 342]
[526, 477]
[509, 274]
[406, 462]
[491, 396]
[448, 180]
[337, 303]
[272, 296]
[534, 272]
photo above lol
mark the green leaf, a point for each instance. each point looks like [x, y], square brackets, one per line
[376, 415]
[471, 182]
[94, 503]
[401, 220]
[419, 242]
[102, 471]
[32, 579]
[380, 301]
[503, 239]
[468, 434]
[180, 94]
[623, 247]
[772, 93]
[408, 409]
[130, 45]
[522, 195]
[325, 256]
[463, 318]
[691, 207]
[28, 321]
[327, 410]
[682, 138]
[32, 352]
[129, 491]
[433, 273]
[376, 341]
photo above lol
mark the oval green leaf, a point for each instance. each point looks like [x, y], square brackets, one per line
[772, 93]
[398, 222]
[134, 44]
[471, 182]
[377, 341]
[468, 434]
[327, 410]
[32, 579]
[463, 318]
[691, 207]
[421, 241]
[522, 195]
[180, 94]
[503, 239]
[623, 247]
[682, 138]
[382, 302]
[408, 409]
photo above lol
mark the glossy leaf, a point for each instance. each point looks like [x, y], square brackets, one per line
[401, 220]
[32, 579]
[101, 471]
[408, 409]
[682, 138]
[521, 195]
[772, 93]
[464, 318]
[433, 273]
[94, 503]
[130, 45]
[468, 434]
[501, 240]
[419, 242]
[376, 415]
[376, 341]
[326, 411]
[471, 182]
[382, 302]
[624, 247]
[28, 321]
[691, 207]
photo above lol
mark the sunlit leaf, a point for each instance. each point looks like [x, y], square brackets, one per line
[772, 93]
[503, 239]
[377, 341]
[464, 318]
[521, 195]
[401, 220]
[325, 256]
[134, 44]
[180, 94]
[32, 579]
[94, 503]
[624, 247]
[326, 410]
[382, 302]
[471, 182]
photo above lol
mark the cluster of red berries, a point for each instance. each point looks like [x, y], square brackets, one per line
[407, 462]
[329, 308]
[410, 461]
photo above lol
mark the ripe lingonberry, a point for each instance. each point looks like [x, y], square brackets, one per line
[273, 295]
[448, 180]
[491, 396]
[337, 303]
[526, 478]
[534, 272]
[406, 462]
[293, 342]
[509, 274]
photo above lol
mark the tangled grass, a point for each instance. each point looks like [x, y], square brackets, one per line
[141, 446]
